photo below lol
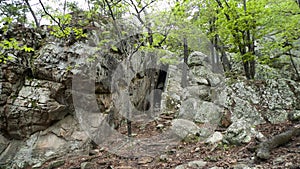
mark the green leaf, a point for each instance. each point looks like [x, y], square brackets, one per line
[114, 48]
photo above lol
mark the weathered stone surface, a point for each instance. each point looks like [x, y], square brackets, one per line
[34, 109]
[200, 111]
[197, 59]
[55, 141]
[274, 98]
[201, 92]
[216, 137]
[243, 110]
[294, 115]
[255, 103]
[3, 144]
[183, 128]
[172, 96]
[6, 157]
[239, 132]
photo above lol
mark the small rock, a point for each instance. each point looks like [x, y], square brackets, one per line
[183, 128]
[87, 165]
[134, 134]
[260, 137]
[197, 164]
[183, 166]
[278, 160]
[94, 152]
[121, 167]
[37, 165]
[193, 164]
[288, 164]
[56, 164]
[160, 126]
[145, 160]
[163, 158]
[241, 166]
[197, 149]
[216, 137]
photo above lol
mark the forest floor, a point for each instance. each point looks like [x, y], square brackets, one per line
[219, 155]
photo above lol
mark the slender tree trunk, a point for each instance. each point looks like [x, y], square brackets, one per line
[65, 6]
[224, 60]
[184, 66]
[294, 65]
[249, 43]
[129, 130]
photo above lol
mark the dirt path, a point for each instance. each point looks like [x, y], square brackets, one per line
[220, 155]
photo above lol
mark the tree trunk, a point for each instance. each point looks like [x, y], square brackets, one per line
[294, 65]
[249, 65]
[184, 66]
[224, 60]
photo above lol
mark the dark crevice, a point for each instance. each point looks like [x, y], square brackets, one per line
[154, 85]
[160, 84]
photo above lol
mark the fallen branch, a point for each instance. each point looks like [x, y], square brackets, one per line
[264, 148]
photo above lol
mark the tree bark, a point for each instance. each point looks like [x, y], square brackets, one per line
[263, 151]
[184, 66]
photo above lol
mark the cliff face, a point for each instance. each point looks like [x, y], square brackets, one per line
[56, 99]
[38, 118]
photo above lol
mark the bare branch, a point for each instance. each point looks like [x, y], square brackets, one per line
[47, 13]
[116, 27]
[144, 7]
[32, 13]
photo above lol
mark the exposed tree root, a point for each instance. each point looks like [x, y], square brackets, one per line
[264, 148]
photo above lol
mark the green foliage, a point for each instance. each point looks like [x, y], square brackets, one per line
[63, 30]
[10, 44]
[223, 146]
[13, 9]
[242, 26]
[114, 48]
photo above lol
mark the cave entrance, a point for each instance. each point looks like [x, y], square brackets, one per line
[146, 88]
[160, 85]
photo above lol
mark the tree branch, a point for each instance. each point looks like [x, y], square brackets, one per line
[146, 6]
[47, 13]
[116, 27]
[32, 13]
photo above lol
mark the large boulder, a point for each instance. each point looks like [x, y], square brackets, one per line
[57, 140]
[257, 102]
[200, 111]
[34, 109]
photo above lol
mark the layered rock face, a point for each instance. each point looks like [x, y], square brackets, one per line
[38, 118]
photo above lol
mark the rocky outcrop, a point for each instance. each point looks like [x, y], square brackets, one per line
[199, 102]
[40, 105]
[257, 102]
[37, 115]
[66, 95]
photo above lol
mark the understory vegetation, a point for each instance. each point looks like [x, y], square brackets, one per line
[232, 32]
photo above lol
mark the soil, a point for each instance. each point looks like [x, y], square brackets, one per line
[217, 155]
